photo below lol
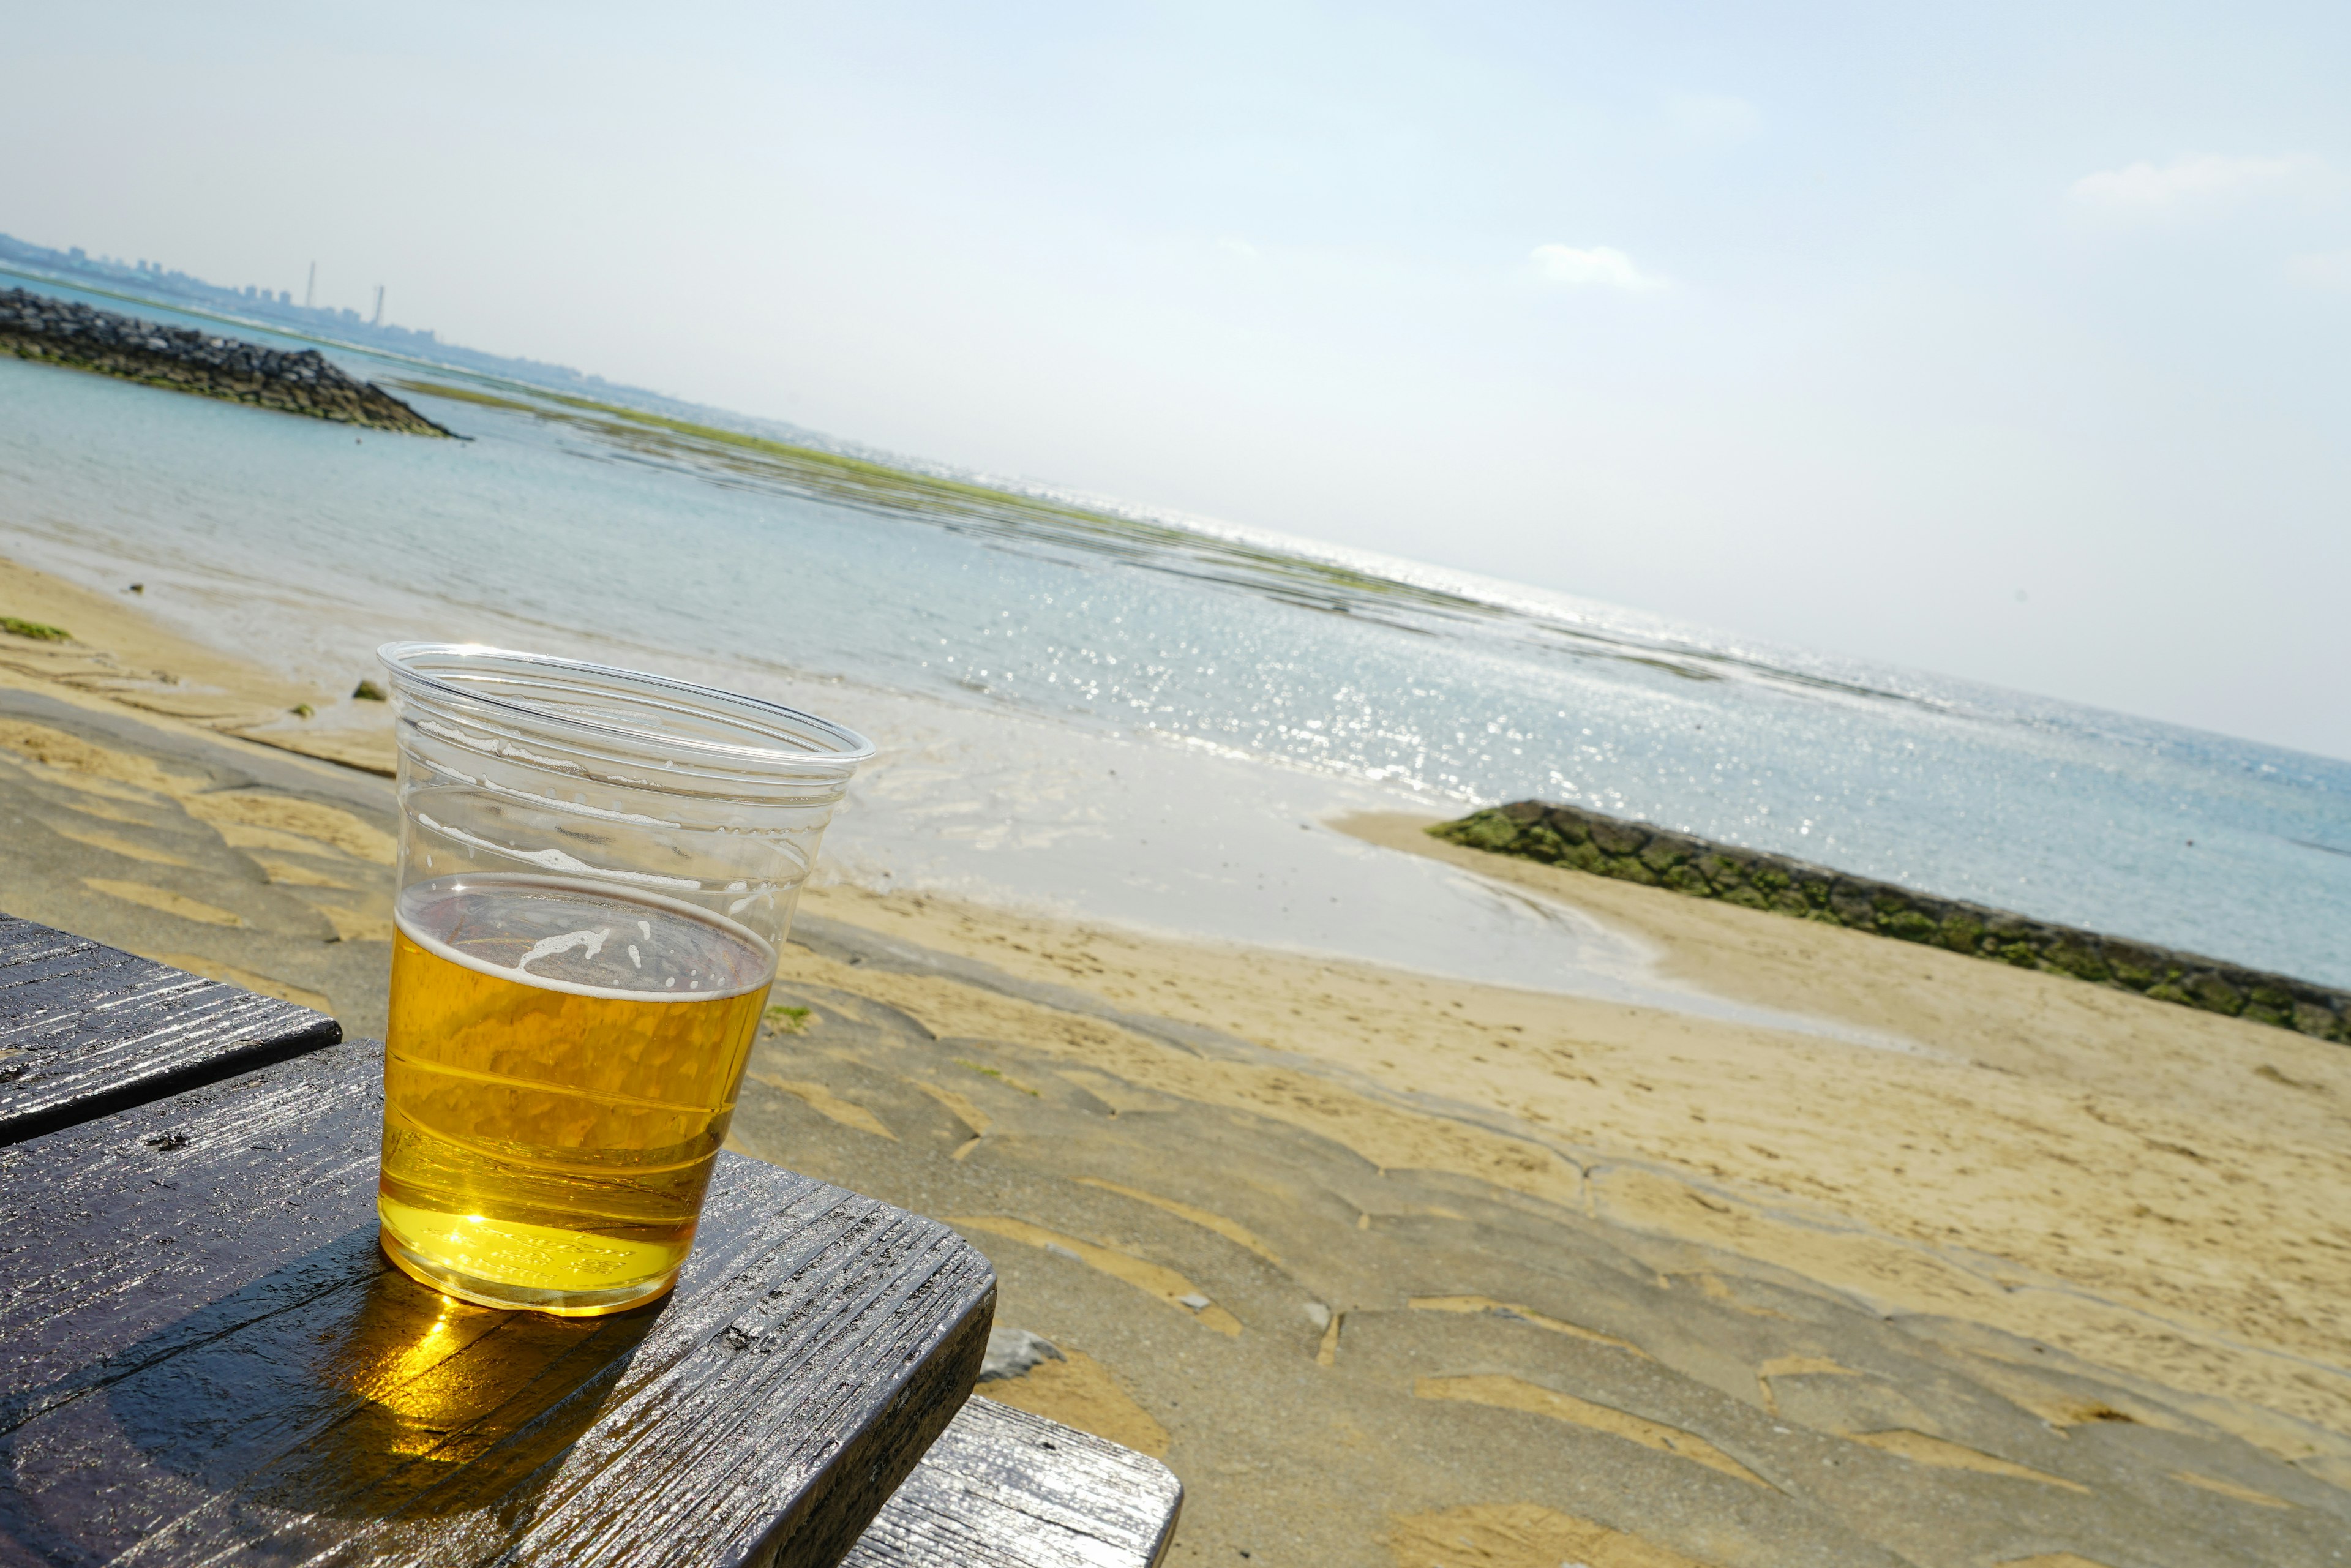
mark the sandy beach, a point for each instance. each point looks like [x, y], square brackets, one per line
[2057, 1276]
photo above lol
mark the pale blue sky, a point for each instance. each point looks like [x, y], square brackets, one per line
[1826, 323]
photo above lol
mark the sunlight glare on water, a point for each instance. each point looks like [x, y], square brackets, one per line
[1255, 686]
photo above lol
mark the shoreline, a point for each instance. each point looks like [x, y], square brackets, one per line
[1789, 1246]
[1641, 853]
[910, 815]
[119, 652]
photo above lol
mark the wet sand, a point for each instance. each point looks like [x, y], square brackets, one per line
[1492, 1276]
[121, 652]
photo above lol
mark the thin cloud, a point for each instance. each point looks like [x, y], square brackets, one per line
[1234, 246]
[1712, 118]
[2146, 190]
[1602, 266]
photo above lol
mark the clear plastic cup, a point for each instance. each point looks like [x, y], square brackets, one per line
[597, 870]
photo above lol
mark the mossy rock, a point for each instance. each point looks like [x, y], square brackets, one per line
[1661, 855]
[2167, 992]
[1746, 898]
[2024, 955]
[1858, 913]
[1686, 879]
[2270, 999]
[1721, 871]
[1769, 878]
[1538, 842]
[1585, 856]
[1961, 933]
[1487, 829]
[1619, 838]
[2082, 963]
[2260, 1014]
[1571, 829]
[1628, 868]
[2317, 1022]
[1908, 925]
[2215, 995]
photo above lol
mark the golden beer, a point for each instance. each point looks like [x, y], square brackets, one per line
[561, 1065]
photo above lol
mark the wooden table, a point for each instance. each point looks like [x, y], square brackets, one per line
[206, 1353]
[86, 1029]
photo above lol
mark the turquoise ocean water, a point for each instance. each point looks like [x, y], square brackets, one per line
[1136, 724]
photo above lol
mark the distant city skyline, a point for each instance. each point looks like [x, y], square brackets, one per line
[68, 259]
[2001, 342]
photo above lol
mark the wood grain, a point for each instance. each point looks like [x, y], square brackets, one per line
[1004, 1488]
[207, 1357]
[88, 1030]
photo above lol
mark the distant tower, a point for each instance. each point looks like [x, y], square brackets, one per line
[310, 289]
[379, 307]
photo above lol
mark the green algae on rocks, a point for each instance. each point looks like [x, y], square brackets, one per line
[1659, 857]
[39, 632]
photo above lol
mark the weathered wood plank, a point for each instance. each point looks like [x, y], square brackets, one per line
[207, 1356]
[1003, 1488]
[86, 1030]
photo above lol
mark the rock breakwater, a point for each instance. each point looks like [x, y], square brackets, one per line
[62, 333]
[1659, 857]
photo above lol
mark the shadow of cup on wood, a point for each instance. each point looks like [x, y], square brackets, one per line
[339, 1387]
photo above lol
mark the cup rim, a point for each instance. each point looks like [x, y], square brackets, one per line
[847, 750]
